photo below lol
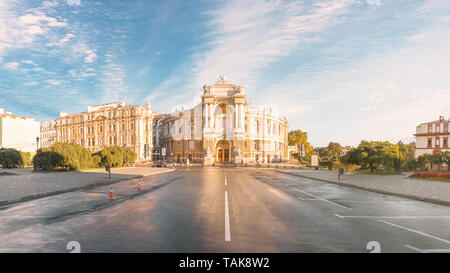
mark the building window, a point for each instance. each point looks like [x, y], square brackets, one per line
[430, 128]
[429, 143]
[437, 142]
[445, 142]
[446, 127]
[438, 128]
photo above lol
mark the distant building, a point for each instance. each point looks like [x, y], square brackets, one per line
[345, 150]
[48, 134]
[17, 132]
[224, 127]
[292, 149]
[107, 125]
[432, 137]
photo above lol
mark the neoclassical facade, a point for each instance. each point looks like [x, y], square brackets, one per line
[107, 125]
[48, 134]
[224, 128]
[432, 137]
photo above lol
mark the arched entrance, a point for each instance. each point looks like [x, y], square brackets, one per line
[223, 151]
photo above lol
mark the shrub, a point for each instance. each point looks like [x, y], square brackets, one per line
[10, 158]
[48, 160]
[75, 157]
[117, 156]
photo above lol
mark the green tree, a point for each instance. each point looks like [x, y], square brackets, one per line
[422, 161]
[26, 158]
[47, 160]
[117, 156]
[96, 159]
[329, 155]
[10, 158]
[437, 159]
[374, 154]
[446, 158]
[297, 138]
[75, 157]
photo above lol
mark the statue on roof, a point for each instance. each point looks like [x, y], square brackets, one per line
[223, 79]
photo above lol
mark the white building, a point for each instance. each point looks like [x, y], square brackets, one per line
[48, 134]
[432, 137]
[19, 133]
[224, 128]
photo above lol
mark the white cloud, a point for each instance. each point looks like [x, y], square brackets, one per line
[73, 2]
[90, 56]
[63, 40]
[11, 65]
[54, 82]
[20, 30]
[247, 36]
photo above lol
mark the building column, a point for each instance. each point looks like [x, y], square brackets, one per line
[206, 115]
[212, 116]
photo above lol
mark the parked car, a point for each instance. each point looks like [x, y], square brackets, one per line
[157, 164]
[168, 163]
[131, 165]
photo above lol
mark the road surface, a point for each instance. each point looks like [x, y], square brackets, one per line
[215, 209]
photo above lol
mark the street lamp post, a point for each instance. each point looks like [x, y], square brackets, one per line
[37, 144]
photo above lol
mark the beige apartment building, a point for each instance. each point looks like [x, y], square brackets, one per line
[432, 137]
[48, 134]
[225, 127]
[109, 124]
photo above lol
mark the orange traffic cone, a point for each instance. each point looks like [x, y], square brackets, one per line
[111, 194]
[139, 185]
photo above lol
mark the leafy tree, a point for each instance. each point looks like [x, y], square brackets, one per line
[374, 154]
[26, 158]
[10, 158]
[446, 159]
[422, 161]
[117, 156]
[437, 159]
[297, 137]
[75, 157]
[330, 154]
[96, 159]
[47, 160]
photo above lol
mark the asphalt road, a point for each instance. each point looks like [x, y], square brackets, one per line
[225, 210]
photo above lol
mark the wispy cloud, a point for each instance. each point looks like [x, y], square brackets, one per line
[11, 65]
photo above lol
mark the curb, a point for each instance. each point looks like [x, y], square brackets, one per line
[47, 194]
[413, 197]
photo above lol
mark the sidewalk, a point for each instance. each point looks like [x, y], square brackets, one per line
[399, 185]
[27, 185]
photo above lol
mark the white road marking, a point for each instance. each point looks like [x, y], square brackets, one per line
[415, 231]
[227, 220]
[358, 201]
[392, 217]
[325, 200]
[225, 180]
[416, 249]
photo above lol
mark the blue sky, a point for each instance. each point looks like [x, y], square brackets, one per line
[341, 70]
